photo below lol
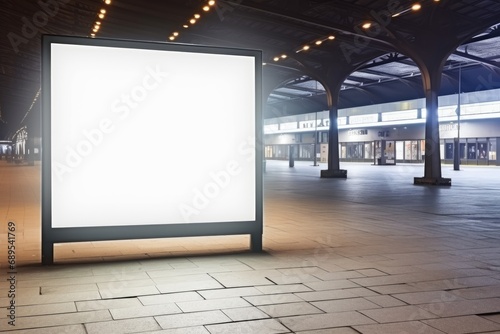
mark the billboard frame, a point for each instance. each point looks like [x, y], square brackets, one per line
[51, 235]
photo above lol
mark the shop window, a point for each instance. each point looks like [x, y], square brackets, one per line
[422, 150]
[400, 150]
[306, 151]
[343, 151]
[448, 151]
[368, 151]
[482, 150]
[471, 151]
[492, 152]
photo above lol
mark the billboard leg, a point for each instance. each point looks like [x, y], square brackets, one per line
[256, 242]
[47, 253]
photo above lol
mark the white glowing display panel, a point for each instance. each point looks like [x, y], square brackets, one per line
[144, 136]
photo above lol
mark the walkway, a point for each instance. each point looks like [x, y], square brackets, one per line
[370, 254]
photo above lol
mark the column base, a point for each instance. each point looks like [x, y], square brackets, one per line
[334, 174]
[433, 181]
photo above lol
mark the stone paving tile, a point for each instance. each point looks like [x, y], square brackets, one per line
[463, 307]
[170, 298]
[492, 317]
[144, 311]
[185, 330]
[244, 279]
[67, 288]
[463, 325]
[212, 304]
[121, 275]
[245, 313]
[343, 305]
[275, 289]
[191, 319]
[57, 320]
[371, 272]
[70, 329]
[328, 276]
[188, 286]
[122, 326]
[325, 295]
[397, 314]
[362, 292]
[27, 311]
[267, 326]
[57, 298]
[399, 288]
[292, 279]
[126, 284]
[478, 292]
[289, 309]
[427, 297]
[123, 291]
[322, 321]
[344, 330]
[93, 305]
[419, 277]
[229, 292]
[385, 301]
[407, 327]
[331, 285]
[272, 299]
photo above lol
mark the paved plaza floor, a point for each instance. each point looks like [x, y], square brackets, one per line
[372, 253]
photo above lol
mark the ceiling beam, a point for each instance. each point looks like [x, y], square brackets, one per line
[489, 63]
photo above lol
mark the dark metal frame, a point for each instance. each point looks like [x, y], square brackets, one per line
[50, 235]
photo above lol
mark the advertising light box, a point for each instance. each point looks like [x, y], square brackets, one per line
[149, 139]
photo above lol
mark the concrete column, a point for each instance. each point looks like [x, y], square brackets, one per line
[498, 151]
[431, 75]
[333, 170]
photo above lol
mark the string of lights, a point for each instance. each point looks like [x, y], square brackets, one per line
[195, 18]
[99, 17]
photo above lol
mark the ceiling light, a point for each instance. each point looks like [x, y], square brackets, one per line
[196, 16]
[96, 27]
[107, 2]
[416, 6]
[211, 3]
[95, 30]
[98, 23]
[92, 34]
[305, 48]
[331, 37]
[264, 64]
[366, 25]
[318, 42]
[171, 38]
[283, 56]
[276, 58]
[101, 16]
[103, 11]
[175, 33]
[192, 21]
[185, 26]
[206, 8]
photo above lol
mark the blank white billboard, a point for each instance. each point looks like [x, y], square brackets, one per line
[151, 136]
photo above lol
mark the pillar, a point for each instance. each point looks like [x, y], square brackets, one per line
[334, 170]
[431, 75]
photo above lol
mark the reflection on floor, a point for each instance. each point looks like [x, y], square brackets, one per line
[370, 254]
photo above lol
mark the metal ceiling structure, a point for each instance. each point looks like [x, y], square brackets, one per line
[378, 69]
